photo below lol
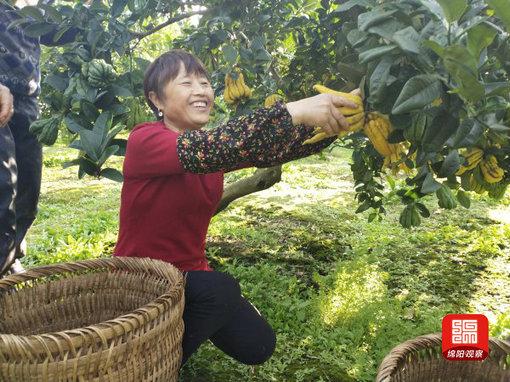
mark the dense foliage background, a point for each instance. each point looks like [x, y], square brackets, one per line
[437, 69]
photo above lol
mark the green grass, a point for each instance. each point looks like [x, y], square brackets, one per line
[339, 292]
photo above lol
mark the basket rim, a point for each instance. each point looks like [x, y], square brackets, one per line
[391, 361]
[101, 331]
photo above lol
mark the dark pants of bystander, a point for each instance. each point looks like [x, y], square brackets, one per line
[20, 179]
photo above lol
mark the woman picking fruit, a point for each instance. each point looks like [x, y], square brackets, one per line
[173, 182]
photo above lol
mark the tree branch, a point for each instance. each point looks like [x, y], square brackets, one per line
[261, 179]
[172, 20]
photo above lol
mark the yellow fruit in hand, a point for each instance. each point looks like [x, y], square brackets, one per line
[355, 124]
[351, 97]
[271, 100]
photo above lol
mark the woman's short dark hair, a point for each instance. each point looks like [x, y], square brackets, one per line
[165, 68]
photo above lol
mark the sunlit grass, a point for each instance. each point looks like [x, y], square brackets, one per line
[358, 286]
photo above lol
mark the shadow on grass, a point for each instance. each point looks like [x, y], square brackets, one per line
[419, 275]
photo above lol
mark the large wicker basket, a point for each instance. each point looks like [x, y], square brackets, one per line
[420, 360]
[116, 319]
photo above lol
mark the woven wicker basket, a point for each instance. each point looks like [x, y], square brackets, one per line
[420, 360]
[116, 319]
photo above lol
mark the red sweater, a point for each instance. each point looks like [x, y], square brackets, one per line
[164, 211]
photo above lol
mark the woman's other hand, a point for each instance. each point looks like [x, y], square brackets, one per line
[322, 110]
[6, 105]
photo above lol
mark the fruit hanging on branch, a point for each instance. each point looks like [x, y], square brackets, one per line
[378, 129]
[473, 156]
[98, 73]
[236, 90]
[492, 173]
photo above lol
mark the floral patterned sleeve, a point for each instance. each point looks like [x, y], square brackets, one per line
[264, 138]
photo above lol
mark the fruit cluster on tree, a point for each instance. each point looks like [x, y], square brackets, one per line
[434, 109]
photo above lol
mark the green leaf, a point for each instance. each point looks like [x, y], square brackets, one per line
[32, 12]
[263, 55]
[387, 28]
[408, 40]
[74, 162]
[462, 65]
[108, 152]
[439, 130]
[103, 122]
[497, 88]
[466, 135]
[121, 91]
[91, 143]
[450, 164]
[372, 54]
[356, 37]
[430, 185]
[424, 211]
[463, 199]
[352, 3]
[56, 82]
[122, 143]
[58, 35]
[350, 72]
[502, 10]
[437, 48]
[38, 29]
[480, 37]
[363, 207]
[379, 77]
[50, 13]
[368, 19]
[499, 127]
[117, 7]
[418, 92]
[434, 8]
[453, 9]
[230, 54]
[72, 125]
[89, 110]
[17, 23]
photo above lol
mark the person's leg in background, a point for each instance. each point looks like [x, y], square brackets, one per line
[247, 338]
[211, 298]
[29, 162]
[8, 180]
[216, 310]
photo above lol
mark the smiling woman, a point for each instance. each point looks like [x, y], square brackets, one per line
[179, 91]
[173, 182]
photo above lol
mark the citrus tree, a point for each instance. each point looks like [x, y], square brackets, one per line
[433, 75]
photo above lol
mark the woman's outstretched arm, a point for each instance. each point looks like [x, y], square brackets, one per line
[263, 138]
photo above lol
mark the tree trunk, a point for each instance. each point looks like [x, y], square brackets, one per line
[261, 179]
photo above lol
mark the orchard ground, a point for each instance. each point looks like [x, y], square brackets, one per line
[339, 292]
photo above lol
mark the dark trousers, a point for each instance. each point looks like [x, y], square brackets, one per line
[20, 178]
[216, 310]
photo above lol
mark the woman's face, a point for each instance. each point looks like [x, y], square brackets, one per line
[187, 101]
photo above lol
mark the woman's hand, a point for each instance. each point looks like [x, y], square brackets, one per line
[321, 110]
[6, 105]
